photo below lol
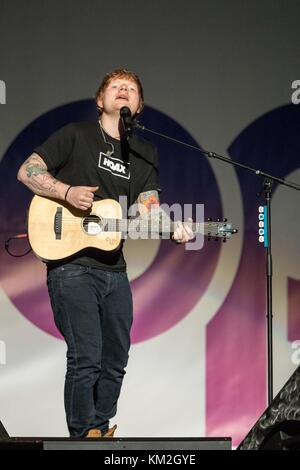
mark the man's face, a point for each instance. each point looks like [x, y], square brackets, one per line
[120, 92]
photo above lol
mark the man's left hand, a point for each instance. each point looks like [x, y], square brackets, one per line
[183, 232]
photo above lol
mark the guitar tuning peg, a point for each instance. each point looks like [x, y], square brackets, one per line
[224, 240]
[218, 220]
[208, 238]
[216, 239]
[224, 220]
[209, 219]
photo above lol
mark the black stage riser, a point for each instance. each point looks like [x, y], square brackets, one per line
[125, 444]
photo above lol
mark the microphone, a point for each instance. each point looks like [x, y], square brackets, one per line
[126, 119]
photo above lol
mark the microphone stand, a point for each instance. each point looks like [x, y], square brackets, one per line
[267, 186]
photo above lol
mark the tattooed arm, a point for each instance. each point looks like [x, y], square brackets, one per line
[148, 205]
[33, 173]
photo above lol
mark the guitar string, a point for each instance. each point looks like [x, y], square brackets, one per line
[138, 221]
[107, 221]
[133, 224]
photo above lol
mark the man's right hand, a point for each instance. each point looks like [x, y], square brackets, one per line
[81, 197]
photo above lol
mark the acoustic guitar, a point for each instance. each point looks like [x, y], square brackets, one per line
[57, 230]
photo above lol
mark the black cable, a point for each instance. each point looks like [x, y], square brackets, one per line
[16, 237]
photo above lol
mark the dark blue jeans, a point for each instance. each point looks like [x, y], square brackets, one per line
[93, 311]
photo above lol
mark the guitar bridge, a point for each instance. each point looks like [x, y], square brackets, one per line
[58, 223]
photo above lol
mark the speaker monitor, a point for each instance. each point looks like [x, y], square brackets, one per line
[3, 433]
[279, 426]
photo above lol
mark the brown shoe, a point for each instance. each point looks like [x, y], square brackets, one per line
[110, 432]
[94, 433]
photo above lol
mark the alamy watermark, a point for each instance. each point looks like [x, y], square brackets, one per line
[182, 223]
[178, 222]
[2, 92]
[163, 221]
[2, 353]
[296, 94]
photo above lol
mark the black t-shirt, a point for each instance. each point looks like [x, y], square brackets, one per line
[78, 155]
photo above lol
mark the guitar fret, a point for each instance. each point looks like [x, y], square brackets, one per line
[123, 225]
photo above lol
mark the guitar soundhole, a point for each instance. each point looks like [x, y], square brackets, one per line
[92, 225]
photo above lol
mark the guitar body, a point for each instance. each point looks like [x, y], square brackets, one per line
[56, 230]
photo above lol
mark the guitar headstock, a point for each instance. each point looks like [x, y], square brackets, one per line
[219, 229]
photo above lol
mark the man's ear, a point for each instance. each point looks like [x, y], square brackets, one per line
[100, 101]
[139, 110]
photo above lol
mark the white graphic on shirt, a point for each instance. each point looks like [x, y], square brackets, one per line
[114, 165]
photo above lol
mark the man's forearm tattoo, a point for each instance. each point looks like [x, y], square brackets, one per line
[149, 200]
[38, 178]
[34, 170]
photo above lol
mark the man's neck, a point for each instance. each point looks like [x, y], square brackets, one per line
[110, 124]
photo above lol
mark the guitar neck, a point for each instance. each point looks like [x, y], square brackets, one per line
[154, 226]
